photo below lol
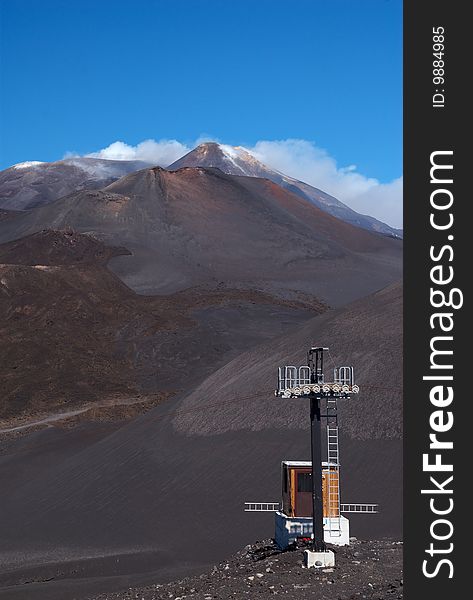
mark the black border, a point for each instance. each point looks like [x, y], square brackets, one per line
[427, 129]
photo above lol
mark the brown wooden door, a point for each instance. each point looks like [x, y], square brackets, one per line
[303, 507]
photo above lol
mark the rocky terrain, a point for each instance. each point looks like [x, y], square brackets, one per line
[363, 570]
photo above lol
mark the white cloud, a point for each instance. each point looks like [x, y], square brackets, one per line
[297, 158]
[161, 153]
[305, 161]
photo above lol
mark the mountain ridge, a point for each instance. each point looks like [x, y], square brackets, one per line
[237, 160]
[196, 225]
[26, 185]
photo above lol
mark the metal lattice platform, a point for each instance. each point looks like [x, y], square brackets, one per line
[296, 382]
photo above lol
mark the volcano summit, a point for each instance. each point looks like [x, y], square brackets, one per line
[236, 160]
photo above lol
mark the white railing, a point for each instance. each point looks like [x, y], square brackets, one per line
[262, 506]
[344, 375]
[359, 508]
[370, 509]
[290, 377]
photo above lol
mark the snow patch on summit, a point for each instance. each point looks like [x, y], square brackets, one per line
[28, 163]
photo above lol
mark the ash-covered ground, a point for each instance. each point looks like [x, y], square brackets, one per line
[365, 569]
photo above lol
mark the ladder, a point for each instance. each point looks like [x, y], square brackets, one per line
[332, 444]
[333, 475]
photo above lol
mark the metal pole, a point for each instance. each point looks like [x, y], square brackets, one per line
[318, 543]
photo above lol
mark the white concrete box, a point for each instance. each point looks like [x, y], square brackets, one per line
[319, 559]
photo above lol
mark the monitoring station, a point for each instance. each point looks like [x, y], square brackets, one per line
[310, 506]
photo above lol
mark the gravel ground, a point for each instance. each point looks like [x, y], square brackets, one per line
[363, 570]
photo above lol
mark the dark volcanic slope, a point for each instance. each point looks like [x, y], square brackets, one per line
[238, 161]
[158, 489]
[197, 226]
[7, 214]
[72, 333]
[32, 184]
[367, 333]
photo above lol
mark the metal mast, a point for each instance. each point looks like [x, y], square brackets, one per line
[315, 360]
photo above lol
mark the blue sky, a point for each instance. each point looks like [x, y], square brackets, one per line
[80, 75]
